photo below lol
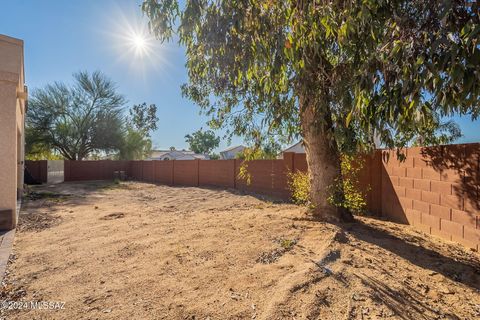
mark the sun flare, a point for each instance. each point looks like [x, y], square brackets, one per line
[139, 42]
[133, 44]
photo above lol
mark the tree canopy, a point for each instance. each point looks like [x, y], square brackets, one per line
[79, 119]
[137, 142]
[337, 73]
[385, 67]
[202, 141]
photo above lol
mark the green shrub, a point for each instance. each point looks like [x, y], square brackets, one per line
[299, 185]
[351, 198]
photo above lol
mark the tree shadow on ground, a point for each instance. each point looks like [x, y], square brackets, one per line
[407, 302]
[416, 250]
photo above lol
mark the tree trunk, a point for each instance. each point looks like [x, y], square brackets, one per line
[323, 162]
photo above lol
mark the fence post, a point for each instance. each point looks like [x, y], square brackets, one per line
[66, 170]
[198, 171]
[154, 179]
[173, 172]
[234, 173]
[289, 160]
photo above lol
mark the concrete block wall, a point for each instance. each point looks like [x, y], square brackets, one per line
[219, 173]
[93, 170]
[435, 189]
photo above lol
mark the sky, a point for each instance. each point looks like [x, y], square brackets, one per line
[63, 37]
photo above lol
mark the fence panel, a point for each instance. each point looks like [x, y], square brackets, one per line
[164, 172]
[136, 170]
[148, 171]
[260, 174]
[185, 172]
[220, 173]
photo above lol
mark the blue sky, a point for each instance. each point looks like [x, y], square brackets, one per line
[62, 37]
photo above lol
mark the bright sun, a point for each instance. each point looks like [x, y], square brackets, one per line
[134, 46]
[139, 42]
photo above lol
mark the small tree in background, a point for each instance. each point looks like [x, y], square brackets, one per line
[76, 120]
[202, 141]
[137, 142]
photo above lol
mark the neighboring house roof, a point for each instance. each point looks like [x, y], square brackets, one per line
[232, 148]
[176, 155]
[296, 148]
[231, 152]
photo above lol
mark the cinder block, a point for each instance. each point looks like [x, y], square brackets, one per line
[421, 206]
[431, 197]
[420, 162]
[452, 175]
[431, 221]
[453, 228]
[441, 187]
[440, 233]
[440, 211]
[466, 242]
[451, 201]
[405, 182]
[452, 152]
[414, 173]
[415, 152]
[424, 228]
[472, 206]
[399, 171]
[472, 235]
[414, 217]
[413, 194]
[389, 180]
[389, 158]
[464, 218]
[430, 174]
[399, 191]
[407, 163]
[472, 158]
[421, 184]
[406, 203]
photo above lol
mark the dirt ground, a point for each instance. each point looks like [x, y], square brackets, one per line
[143, 251]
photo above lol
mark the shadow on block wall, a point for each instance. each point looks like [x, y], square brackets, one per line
[459, 165]
[436, 190]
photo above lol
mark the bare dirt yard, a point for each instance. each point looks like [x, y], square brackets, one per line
[143, 251]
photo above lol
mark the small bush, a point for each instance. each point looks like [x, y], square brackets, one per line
[351, 198]
[299, 185]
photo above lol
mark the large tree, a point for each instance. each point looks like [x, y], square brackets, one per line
[336, 72]
[79, 119]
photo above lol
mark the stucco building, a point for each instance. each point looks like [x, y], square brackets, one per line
[13, 100]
